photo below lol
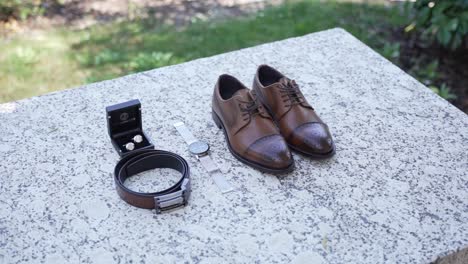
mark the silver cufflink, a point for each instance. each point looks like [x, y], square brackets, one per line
[130, 146]
[138, 139]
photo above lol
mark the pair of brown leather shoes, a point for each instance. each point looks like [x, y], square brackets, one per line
[262, 124]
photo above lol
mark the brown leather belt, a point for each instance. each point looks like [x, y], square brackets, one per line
[143, 160]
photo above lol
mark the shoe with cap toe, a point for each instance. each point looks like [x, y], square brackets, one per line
[251, 135]
[297, 121]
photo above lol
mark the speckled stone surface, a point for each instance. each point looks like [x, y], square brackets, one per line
[395, 192]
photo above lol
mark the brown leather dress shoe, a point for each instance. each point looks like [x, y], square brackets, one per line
[299, 124]
[251, 135]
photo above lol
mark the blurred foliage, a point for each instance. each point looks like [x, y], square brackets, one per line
[391, 51]
[144, 61]
[444, 92]
[428, 74]
[445, 21]
[33, 64]
[22, 9]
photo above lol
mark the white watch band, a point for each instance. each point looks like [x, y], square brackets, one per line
[205, 160]
[185, 133]
[216, 174]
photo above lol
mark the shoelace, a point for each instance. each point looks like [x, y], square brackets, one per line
[290, 92]
[251, 107]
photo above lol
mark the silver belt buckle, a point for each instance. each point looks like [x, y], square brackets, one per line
[173, 200]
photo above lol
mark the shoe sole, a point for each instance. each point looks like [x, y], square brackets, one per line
[253, 164]
[307, 154]
[317, 156]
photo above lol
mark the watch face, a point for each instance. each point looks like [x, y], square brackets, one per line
[199, 147]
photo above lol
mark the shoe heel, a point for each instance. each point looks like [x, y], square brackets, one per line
[216, 119]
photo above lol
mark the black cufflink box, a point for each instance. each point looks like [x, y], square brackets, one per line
[124, 125]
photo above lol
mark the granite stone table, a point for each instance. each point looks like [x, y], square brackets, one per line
[395, 192]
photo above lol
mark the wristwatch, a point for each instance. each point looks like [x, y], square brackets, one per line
[201, 150]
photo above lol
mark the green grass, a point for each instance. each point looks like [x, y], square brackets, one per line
[37, 64]
[58, 59]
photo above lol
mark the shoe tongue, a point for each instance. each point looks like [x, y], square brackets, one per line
[243, 94]
[284, 81]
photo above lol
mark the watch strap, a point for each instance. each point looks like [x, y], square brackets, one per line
[185, 133]
[216, 174]
[205, 160]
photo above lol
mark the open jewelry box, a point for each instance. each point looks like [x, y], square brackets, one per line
[124, 125]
